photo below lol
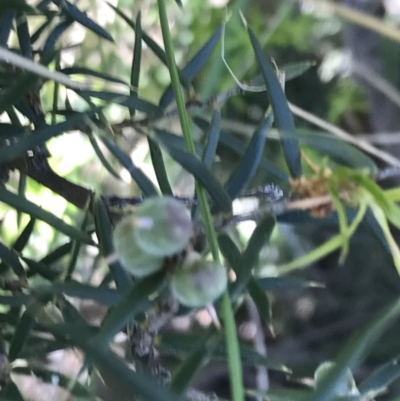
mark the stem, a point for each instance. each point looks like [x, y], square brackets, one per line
[235, 368]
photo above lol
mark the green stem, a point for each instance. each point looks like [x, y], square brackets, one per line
[235, 367]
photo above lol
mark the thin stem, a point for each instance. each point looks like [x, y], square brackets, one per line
[227, 311]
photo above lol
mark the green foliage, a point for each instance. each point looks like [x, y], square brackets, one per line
[143, 252]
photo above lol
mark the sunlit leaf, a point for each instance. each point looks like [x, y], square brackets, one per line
[25, 206]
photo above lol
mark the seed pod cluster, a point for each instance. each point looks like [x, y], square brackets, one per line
[160, 228]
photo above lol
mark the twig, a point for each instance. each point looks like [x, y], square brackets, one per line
[39, 69]
[364, 145]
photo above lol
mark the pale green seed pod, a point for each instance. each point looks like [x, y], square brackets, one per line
[198, 282]
[163, 226]
[134, 259]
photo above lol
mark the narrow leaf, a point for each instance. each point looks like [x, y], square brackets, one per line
[210, 148]
[202, 173]
[97, 74]
[82, 18]
[228, 140]
[10, 258]
[38, 137]
[6, 24]
[21, 335]
[23, 238]
[23, 35]
[250, 160]
[261, 301]
[157, 160]
[104, 234]
[283, 283]
[103, 295]
[131, 102]
[134, 301]
[283, 116]
[143, 182]
[25, 206]
[137, 56]
[257, 241]
[155, 48]
[194, 66]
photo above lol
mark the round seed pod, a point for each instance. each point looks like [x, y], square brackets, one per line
[198, 282]
[163, 226]
[135, 260]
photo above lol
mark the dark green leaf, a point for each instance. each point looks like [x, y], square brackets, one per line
[261, 300]
[355, 351]
[105, 296]
[20, 5]
[292, 71]
[176, 141]
[57, 254]
[21, 335]
[188, 368]
[41, 269]
[23, 238]
[38, 137]
[126, 383]
[156, 49]
[92, 73]
[212, 139]
[250, 160]
[283, 116]
[23, 35]
[181, 345]
[257, 241]
[9, 130]
[143, 182]
[159, 167]
[230, 251]
[131, 102]
[283, 283]
[194, 66]
[235, 144]
[49, 48]
[137, 56]
[73, 256]
[134, 301]
[25, 206]
[341, 151]
[122, 279]
[101, 156]
[42, 28]
[10, 258]
[6, 24]
[202, 173]
[210, 149]
[15, 92]
[14, 300]
[82, 18]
